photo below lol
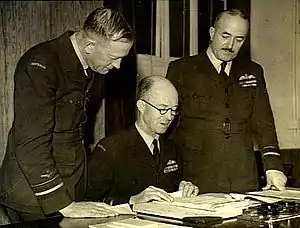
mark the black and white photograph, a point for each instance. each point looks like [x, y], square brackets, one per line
[150, 113]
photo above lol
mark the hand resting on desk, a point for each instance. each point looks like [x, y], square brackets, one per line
[87, 210]
[275, 179]
[188, 189]
[149, 194]
[153, 193]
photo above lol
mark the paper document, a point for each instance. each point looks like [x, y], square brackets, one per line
[122, 209]
[263, 199]
[133, 223]
[176, 194]
[289, 193]
[209, 204]
[207, 201]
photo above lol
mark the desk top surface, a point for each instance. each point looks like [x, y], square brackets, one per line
[60, 222]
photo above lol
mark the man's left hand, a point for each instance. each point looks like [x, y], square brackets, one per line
[275, 178]
[188, 189]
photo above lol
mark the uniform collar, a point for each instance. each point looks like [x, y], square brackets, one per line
[78, 52]
[67, 55]
[146, 137]
[216, 62]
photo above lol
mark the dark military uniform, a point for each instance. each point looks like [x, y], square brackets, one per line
[43, 168]
[122, 166]
[219, 123]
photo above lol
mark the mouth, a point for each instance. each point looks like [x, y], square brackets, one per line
[166, 124]
[229, 51]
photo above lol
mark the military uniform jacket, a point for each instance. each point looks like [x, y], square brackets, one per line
[45, 156]
[219, 123]
[122, 166]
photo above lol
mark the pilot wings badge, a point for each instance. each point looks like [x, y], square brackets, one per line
[248, 80]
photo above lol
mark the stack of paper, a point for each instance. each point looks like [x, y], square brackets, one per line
[260, 198]
[122, 209]
[289, 193]
[209, 204]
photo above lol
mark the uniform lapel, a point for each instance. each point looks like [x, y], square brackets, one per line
[140, 150]
[67, 56]
[164, 158]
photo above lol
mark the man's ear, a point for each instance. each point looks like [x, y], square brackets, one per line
[89, 46]
[140, 106]
[211, 32]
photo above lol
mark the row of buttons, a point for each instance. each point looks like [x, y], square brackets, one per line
[226, 124]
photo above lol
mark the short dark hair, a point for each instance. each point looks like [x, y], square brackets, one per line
[231, 12]
[144, 87]
[109, 24]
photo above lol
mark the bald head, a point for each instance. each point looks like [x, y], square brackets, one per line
[155, 86]
[157, 104]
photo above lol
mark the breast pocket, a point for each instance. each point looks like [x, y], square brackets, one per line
[194, 104]
[243, 101]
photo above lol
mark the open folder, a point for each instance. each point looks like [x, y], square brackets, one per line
[217, 205]
[288, 194]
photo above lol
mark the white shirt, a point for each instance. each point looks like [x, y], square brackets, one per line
[216, 62]
[78, 53]
[147, 138]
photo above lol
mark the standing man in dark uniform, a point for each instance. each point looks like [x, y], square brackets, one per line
[44, 167]
[225, 109]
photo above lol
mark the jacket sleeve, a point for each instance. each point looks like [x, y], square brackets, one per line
[264, 126]
[34, 103]
[100, 173]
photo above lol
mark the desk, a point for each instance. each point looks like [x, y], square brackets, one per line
[60, 222]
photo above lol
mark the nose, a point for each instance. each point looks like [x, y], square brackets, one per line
[117, 63]
[230, 43]
[168, 115]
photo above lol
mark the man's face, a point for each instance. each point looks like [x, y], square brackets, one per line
[163, 98]
[105, 56]
[228, 37]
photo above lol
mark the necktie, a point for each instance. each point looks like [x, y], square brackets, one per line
[89, 72]
[222, 71]
[155, 151]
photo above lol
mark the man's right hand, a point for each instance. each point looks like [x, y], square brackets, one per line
[151, 193]
[87, 210]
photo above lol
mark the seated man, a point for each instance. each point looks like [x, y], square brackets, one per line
[126, 167]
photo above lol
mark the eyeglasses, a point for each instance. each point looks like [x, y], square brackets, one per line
[163, 111]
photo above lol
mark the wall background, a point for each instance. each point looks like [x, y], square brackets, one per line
[275, 44]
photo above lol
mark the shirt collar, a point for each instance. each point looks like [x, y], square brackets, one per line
[78, 52]
[146, 137]
[216, 62]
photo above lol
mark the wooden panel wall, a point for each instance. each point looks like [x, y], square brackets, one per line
[24, 24]
[275, 43]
